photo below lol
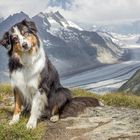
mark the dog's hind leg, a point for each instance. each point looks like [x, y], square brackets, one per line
[55, 114]
[17, 107]
[38, 105]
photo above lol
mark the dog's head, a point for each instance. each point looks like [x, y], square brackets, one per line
[21, 38]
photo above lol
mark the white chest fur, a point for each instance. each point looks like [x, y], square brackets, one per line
[27, 78]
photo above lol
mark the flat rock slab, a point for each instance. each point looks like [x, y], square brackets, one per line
[100, 123]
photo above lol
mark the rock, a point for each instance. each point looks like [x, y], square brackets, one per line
[100, 123]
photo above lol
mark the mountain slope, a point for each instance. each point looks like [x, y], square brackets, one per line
[132, 85]
[72, 48]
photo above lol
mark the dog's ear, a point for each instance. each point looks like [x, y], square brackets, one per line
[30, 24]
[5, 41]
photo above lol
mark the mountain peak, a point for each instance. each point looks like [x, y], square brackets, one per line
[11, 20]
[54, 20]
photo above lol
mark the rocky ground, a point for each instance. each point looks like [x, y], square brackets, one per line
[100, 123]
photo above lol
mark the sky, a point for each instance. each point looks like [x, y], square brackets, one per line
[86, 11]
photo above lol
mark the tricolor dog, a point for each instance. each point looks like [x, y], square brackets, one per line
[34, 79]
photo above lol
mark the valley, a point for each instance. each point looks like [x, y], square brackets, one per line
[108, 78]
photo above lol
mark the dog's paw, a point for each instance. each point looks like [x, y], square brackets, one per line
[31, 124]
[15, 119]
[54, 118]
[13, 122]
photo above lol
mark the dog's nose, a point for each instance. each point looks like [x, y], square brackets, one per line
[25, 45]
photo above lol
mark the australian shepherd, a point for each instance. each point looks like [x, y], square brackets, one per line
[34, 79]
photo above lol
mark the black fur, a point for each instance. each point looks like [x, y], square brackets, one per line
[14, 64]
[57, 95]
[5, 40]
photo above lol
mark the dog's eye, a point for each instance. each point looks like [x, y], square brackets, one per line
[15, 38]
[26, 34]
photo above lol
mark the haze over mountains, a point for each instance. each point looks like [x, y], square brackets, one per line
[120, 28]
[71, 48]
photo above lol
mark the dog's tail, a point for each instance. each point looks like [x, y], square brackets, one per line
[77, 105]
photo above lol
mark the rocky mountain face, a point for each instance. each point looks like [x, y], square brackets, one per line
[70, 48]
[132, 85]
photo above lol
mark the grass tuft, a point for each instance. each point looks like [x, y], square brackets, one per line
[19, 132]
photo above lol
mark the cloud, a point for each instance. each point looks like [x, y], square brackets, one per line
[102, 10]
[30, 7]
[87, 11]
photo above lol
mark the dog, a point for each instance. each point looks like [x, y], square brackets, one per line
[35, 80]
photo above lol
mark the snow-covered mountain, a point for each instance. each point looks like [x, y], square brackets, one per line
[70, 48]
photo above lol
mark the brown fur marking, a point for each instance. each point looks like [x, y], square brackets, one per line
[17, 49]
[33, 40]
[18, 101]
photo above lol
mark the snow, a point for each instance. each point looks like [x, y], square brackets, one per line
[72, 24]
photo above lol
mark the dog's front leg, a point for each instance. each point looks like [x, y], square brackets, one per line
[38, 104]
[17, 106]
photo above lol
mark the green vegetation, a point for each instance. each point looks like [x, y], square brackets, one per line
[5, 89]
[19, 131]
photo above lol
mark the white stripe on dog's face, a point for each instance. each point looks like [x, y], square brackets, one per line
[22, 40]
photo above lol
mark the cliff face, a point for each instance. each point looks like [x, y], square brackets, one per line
[132, 85]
